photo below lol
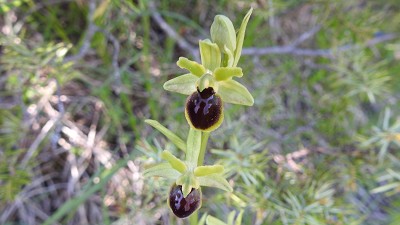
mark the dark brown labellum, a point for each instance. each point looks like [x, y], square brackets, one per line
[183, 207]
[204, 110]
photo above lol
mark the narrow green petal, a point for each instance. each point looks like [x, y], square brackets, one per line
[184, 84]
[169, 134]
[215, 180]
[239, 218]
[202, 220]
[208, 170]
[214, 221]
[226, 73]
[175, 163]
[231, 217]
[193, 146]
[240, 37]
[233, 92]
[210, 54]
[193, 67]
[162, 170]
[230, 59]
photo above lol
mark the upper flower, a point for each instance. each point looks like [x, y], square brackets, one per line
[219, 59]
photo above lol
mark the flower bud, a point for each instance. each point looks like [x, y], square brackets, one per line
[204, 110]
[223, 33]
[183, 207]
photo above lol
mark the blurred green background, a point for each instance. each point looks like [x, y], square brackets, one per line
[78, 77]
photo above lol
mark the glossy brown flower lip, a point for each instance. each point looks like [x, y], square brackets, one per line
[183, 207]
[204, 110]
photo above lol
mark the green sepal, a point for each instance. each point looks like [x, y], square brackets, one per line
[233, 92]
[175, 163]
[193, 146]
[177, 141]
[214, 221]
[223, 33]
[188, 181]
[210, 54]
[193, 67]
[215, 180]
[162, 170]
[226, 73]
[183, 84]
[208, 170]
[240, 37]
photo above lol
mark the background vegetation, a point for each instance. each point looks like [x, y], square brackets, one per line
[78, 78]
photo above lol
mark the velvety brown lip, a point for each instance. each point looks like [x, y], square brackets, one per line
[204, 109]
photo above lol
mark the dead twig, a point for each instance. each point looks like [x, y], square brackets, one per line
[182, 43]
[90, 31]
[327, 53]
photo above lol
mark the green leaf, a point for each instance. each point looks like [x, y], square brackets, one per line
[240, 37]
[208, 170]
[233, 92]
[162, 170]
[215, 180]
[193, 67]
[176, 163]
[210, 54]
[214, 221]
[183, 84]
[169, 134]
[226, 73]
[193, 146]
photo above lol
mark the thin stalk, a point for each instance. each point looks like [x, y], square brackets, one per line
[203, 146]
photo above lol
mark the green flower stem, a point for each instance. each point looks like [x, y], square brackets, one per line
[194, 218]
[203, 146]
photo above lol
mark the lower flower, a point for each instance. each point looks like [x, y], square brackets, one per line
[183, 207]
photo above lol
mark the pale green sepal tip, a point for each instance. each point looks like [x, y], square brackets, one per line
[169, 134]
[226, 73]
[162, 170]
[208, 170]
[223, 33]
[193, 67]
[233, 92]
[214, 221]
[210, 54]
[183, 84]
[240, 37]
[175, 162]
[215, 180]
